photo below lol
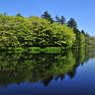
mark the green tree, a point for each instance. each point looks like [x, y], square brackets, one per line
[60, 20]
[47, 16]
[65, 36]
[72, 23]
[57, 19]
[19, 15]
[83, 32]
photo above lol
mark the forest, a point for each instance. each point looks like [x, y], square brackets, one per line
[45, 31]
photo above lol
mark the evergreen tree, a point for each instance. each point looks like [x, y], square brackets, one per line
[57, 19]
[72, 23]
[47, 16]
[83, 32]
[18, 15]
[60, 20]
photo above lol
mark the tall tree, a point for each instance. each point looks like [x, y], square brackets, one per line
[72, 23]
[60, 20]
[83, 32]
[57, 19]
[19, 15]
[47, 16]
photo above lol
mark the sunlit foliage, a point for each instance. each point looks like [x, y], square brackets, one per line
[19, 31]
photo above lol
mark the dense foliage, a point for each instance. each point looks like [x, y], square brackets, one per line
[18, 31]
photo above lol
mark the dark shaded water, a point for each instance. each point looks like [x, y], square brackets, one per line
[67, 73]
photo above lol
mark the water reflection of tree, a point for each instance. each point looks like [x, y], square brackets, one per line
[17, 68]
[61, 76]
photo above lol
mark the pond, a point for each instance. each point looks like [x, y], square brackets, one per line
[65, 73]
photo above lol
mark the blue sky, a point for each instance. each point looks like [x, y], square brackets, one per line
[81, 10]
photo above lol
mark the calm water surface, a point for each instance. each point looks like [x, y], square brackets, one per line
[67, 73]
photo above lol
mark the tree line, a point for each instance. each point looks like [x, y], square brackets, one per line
[44, 31]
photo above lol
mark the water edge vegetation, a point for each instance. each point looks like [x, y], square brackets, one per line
[40, 33]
